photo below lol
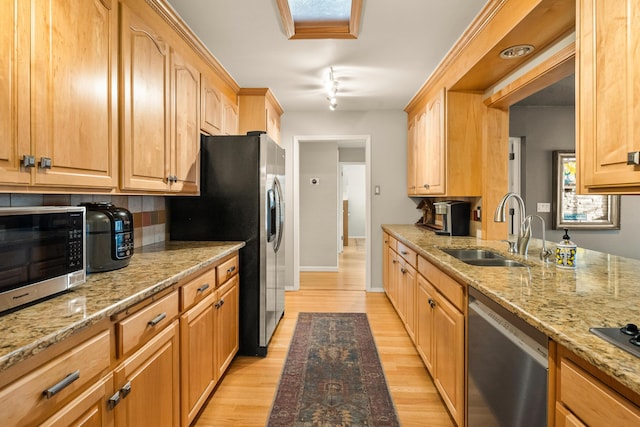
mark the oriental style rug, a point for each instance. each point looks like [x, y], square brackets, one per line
[332, 376]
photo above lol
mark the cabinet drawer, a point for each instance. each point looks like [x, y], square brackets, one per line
[226, 270]
[452, 290]
[592, 401]
[429, 271]
[197, 289]
[139, 327]
[393, 243]
[39, 393]
[407, 253]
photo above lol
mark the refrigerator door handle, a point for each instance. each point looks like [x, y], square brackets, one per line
[279, 214]
[271, 215]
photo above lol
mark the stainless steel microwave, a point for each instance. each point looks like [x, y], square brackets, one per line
[42, 253]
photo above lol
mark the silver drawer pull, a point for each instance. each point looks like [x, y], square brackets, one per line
[159, 318]
[52, 391]
[231, 270]
[404, 252]
[203, 288]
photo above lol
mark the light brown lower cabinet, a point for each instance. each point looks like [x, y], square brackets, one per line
[227, 330]
[440, 334]
[148, 382]
[431, 305]
[197, 364]
[586, 397]
[88, 409]
[47, 388]
[154, 365]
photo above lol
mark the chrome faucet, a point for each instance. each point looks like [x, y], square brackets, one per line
[524, 234]
[544, 252]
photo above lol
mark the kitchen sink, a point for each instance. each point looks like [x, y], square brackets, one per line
[482, 257]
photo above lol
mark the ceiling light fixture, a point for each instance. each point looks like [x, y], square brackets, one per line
[516, 51]
[331, 85]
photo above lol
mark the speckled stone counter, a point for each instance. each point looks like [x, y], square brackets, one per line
[603, 291]
[152, 268]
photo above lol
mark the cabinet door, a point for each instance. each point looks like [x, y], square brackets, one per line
[87, 410]
[424, 314]
[385, 262]
[145, 100]
[430, 158]
[229, 117]
[151, 378]
[448, 350]
[14, 85]
[227, 324]
[210, 107]
[393, 268]
[73, 92]
[409, 298]
[185, 126]
[411, 156]
[608, 87]
[197, 363]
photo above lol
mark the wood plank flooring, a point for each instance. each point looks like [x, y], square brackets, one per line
[245, 394]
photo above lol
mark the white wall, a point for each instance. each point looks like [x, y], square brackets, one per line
[388, 130]
[318, 206]
[353, 185]
[553, 128]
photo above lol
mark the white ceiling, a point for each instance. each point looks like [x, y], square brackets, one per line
[400, 44]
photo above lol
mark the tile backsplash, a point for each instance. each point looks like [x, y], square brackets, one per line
[149, 212]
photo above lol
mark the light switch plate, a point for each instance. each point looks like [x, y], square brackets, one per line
[544, 207]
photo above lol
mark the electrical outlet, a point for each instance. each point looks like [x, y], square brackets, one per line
[544, 207]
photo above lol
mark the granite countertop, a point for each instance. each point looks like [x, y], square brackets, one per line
[30, 330]
[601, 292]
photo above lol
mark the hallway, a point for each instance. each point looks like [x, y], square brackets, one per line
[245, 394]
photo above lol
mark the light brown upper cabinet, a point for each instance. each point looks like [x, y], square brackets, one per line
[259, 111]
[444, 141]
[210, 107]
[59, 94]
[160, 111]
[608, 100]
[229, 117]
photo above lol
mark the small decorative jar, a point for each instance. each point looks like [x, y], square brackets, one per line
[566, 252]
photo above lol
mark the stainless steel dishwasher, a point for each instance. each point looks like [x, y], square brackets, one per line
[507, 367]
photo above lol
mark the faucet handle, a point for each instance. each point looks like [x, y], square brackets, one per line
[512, 246]
[545, 254]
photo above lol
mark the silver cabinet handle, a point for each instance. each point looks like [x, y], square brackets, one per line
[403, 270]
[65, 382]
[432, 303]
[159, 318]
[404, 252]
[45, 163]
[426, 186]
[28, 161]
[633, 158]
[231, 270]
[219, 303]
[203, 288]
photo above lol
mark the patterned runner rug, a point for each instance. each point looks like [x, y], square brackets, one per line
[332, 376]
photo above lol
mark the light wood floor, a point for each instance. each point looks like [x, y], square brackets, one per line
[244, 396]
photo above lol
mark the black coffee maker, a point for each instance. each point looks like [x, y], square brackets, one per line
[455, 216]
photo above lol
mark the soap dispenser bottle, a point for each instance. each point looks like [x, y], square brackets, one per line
[566, 252]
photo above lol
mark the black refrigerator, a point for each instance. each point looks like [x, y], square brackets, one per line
[242, 183]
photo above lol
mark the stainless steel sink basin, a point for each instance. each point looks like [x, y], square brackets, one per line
[482, 257]
[494, 262]
[464, 254]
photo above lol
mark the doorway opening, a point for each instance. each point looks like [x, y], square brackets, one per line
[319, 253]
